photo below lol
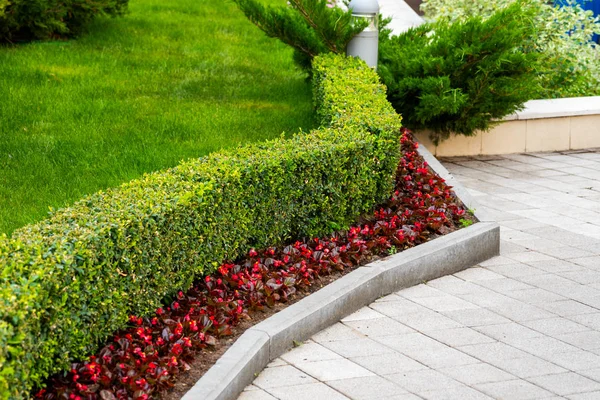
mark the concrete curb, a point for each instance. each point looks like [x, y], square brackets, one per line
[264, 342]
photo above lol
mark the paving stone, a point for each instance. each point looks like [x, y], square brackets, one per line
[489, 352]
[362, 314]
[367, 388]
[476, 317]
[527, 366]
[419, 291]
[513, 390]
[424, 381]
[333, 369]
[587, 340]
[256, 395]
[477, 373]
[566, 383]
[504, 285]
[585, 396]
[555, 326]
[338, 331]
[519, 311]
[389, 363]
[427, 321]
[276, 363]
[285, 375]
[514, 270]
[529, 256]
[444, 303]
[379, 327]
[456, 286]
[477, 274]
[400, 307]
[309, 351]
[357, 347]
[591, 320]
[459, 337]
[593, 374]
[584, 277]
[536, 296]
[543, 347]
[509, 330]
[565, 253]
[567, 308]
[496, 261]
[555, 266]
[458, 393]
[575, 360]
[309, 391]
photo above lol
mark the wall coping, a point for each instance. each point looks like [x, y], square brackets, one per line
[556, 108]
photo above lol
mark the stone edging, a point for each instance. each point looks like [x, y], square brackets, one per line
[267, 340]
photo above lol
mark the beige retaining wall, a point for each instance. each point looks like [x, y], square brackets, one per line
[544, 125]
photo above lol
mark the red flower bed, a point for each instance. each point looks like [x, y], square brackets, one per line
[147, 357]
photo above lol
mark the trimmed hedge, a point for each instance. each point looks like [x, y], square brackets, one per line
[69, 282]
[42, 19]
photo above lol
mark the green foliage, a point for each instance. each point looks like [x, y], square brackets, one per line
[311, 27]
[42, 19]
[570, 65]
[69, 282]
[460, 77]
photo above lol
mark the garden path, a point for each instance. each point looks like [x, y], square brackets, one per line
[523, 325]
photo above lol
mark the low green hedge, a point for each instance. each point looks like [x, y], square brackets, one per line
[67, 283]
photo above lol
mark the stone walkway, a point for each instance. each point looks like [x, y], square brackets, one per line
[524, 325]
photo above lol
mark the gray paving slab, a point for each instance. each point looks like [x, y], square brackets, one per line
[523, 325]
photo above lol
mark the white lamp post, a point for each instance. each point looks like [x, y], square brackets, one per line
[365, 45]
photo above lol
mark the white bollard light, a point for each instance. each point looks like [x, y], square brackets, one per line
[365, 45]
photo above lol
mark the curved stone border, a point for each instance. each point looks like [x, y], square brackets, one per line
[267, 340]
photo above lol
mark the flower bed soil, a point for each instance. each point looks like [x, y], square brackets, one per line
[164, 354]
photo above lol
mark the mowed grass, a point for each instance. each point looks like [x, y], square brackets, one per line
[171, 80]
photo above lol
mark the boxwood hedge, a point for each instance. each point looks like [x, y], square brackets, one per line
[69, 282]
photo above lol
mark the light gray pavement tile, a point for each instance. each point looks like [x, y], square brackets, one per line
[528, 366]
[502, 332]
[419, 291]
[256, 395]
[457, 393]
[403, 396]
[477, 274]
[495, 261]
[565, 253]
[427, 321]
[487, 298]
[452, 285]
[593, 374]
[285, 375]
[444, 303]
[335, 332]
[555, 326]
[528, 256]
[504, 285]
[590, 320]
[544, 347]
[366, 388]
[585, 277]
[519, 311]
[309, 351]
[400, 307]
[309, 391]
[555, 266]
[333, 369]
[566, 308]
[389, 363]
[476, 317]
[379, 327]
[513, 390]
[251, 387]
[276, 363]
[477, 373]
[514, 270]
[586, 340]
[566, 383]
[389, 297]
[509, 248]
[585, 396]
[362, 314]
[523, 224]
[536, 296]
[591, 262]
[424, 381]
[357, 347]
[460, 337]
[575, 360]
[490, 352]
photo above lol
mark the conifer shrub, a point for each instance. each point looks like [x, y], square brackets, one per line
[310, 27]
[71, 281]
[570, 65]
[22, 20]
[463, 76]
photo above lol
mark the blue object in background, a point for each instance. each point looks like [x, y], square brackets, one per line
[593, 5]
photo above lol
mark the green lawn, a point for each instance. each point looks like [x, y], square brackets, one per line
[171, 80]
